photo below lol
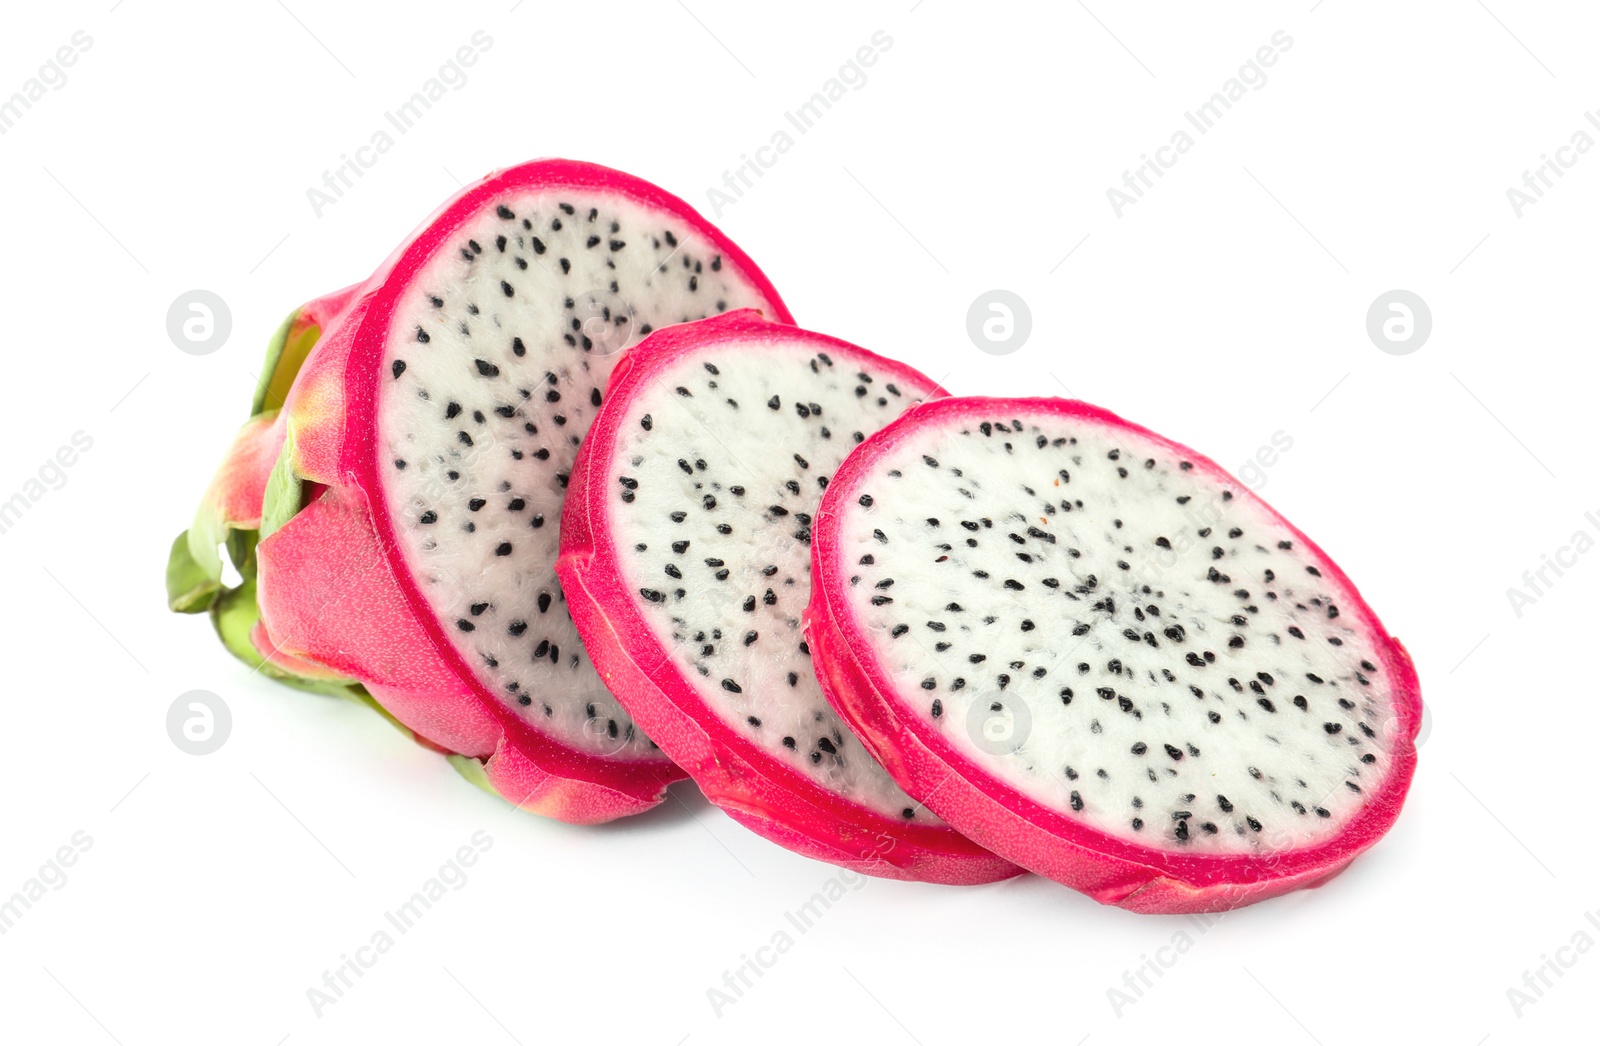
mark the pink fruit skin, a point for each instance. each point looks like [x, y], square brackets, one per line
[1109, 870]
[756, 789]
[272, 651]
[236, 490]
[333, 587]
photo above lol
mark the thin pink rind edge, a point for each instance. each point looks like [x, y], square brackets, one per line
[754, 788]
[1110, 870]
[565, 782]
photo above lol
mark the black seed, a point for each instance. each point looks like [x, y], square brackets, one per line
[399, 367]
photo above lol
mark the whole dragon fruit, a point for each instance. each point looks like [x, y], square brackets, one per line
[685, 553]
[404, 536]
[1099, 655]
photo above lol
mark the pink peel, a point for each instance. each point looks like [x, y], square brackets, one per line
[334, 589]
[998, 816]
[756, 789]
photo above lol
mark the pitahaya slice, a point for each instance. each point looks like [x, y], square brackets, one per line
[1098, 654]
[410, 524]
[685, 554]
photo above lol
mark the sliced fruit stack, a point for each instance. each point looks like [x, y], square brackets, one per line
[563, 491]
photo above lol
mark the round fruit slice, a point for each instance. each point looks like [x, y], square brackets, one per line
[1104, 658]
[410, 526]
[685, 554]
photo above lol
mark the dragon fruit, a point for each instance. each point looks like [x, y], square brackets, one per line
[685, 556]
[230, 514]
[1099, 655]
[409, 523]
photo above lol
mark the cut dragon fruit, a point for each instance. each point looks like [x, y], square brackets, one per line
[1101, 656]
[410, 524]
[686, 556]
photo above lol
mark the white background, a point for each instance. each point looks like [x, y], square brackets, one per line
[1226, 306]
